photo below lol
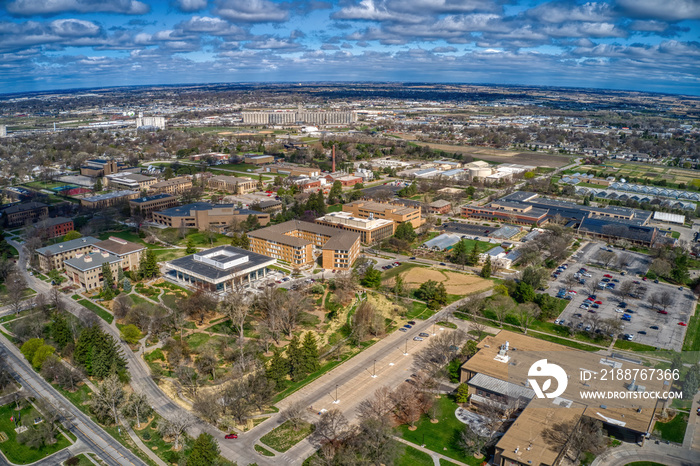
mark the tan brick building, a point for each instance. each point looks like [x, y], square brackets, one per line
[370, 230]
[109, 199]
[145, 206]
[397, 213]
[85, 270]
[17, 215]
[177, 185]
[232, 184]
[202, 215]
[293, 170]
[126, 180]
[259, 159]
[129, 253]
[294, 242]
[53, 257]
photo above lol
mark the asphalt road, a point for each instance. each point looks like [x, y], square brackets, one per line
[100, 442]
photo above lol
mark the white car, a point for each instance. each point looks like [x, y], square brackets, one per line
[417, 339]
[619, 311]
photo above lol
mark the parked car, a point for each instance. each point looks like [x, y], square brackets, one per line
[623, 304]
[595, 306]
[682, 324]
[231, 436]
[663, 312]
[598, 302]
[642, 332]
[592, 311]
[442, 263]
[607, 275]
[411, 322]
[417, 339]
[423, 334]
[655, 327]
[403, 329]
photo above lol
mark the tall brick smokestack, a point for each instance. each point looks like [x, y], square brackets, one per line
[333, 171]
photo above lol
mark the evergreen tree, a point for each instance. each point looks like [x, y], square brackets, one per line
[459, 253]
[372, 278]
[60, 332]
[98, 185]
[473, 256]
[168, 173]
[98, 353]
[148, 268]
[405, 232]
[691, 382]
[126, 285]
[334, 195]
[205, 451]
[120, 275]
[245, 242]
[309, 350]
[296, 359]
[190, 247]
[399, 285]
[107, 281]
[278, 369]
[261, 185]
[236, 240]
[486, 269]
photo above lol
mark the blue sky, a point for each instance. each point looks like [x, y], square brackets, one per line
[648, 45]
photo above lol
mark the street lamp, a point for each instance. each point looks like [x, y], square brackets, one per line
[405, 353]
[336, 395]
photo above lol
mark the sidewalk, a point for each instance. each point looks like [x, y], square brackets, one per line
[692, 432]
[435, 456]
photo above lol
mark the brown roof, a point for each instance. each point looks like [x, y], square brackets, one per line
[119, 246]
[338, 238]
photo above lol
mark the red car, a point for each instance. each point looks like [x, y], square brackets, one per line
[231, 436]
[663, 312]
[644, 278]
[590, 299]
[607, 275]
[599, 302]
[682, 324]
[572, 292]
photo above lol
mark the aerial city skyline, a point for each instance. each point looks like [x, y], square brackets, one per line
[641, 45]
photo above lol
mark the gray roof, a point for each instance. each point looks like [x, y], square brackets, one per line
[49, 222]
[24, 207]
[184, 210]
[68, 245]
[227, 253]
[502, 387]
[440, 203]
[91, 261]
[152, 198]
[443, 241]
[112, 195]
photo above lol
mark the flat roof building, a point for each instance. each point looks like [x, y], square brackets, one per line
[219, 269]
[203, 215]
[54, 227]
[101, 167]
[397, 213]
[129, 253]
[370, 229]
[19, 214]
[259, 159]
[126, 180]
[500, 373]
[176, 185]
[145, 206]
[440, 207]
[108, 199]
[85, 270]
[232, 184]
[53, 256]
[294, 242]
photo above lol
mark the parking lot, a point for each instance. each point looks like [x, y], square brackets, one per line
[642, 317]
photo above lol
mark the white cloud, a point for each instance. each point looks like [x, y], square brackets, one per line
[190, 5]
[666, 10]
[251, 11]
[54, 7]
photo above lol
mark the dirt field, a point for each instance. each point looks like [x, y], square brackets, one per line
[455, 283]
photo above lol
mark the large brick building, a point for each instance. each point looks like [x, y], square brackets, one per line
[232, 184]
[53, 256]
[177, 185]
[145, 206]
[54, 227]
[126, 180]
[129, 253]
[370, 230]
[397, 213]
[85, 270]
[108, 199]
[101, 167]
[18, 215]
[294, 241]
[203, 215]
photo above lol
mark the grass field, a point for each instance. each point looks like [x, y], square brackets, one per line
[21, 454]
[284, 437]
[692, 334]
[97, 310]
[410, 456]
[674, 430]
[439, 437]
[632, 346]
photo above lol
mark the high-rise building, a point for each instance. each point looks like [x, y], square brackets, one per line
[291, 117]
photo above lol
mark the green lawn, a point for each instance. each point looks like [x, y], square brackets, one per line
[632, 346]
[644, 463]
[405, 267]
[444, 462]
[129, 236]
[692, 334]
[284, 437]
[264, 451]
[335, 208]
[439, 437]
[410, 456]
[97, 310]
[674, 430]
[419, 311]
[21, 454]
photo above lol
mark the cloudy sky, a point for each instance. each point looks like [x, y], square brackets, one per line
[651, 45]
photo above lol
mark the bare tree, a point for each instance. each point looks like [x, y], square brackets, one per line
[666, 299]
[237, 308]
[378, 407]
[108, 398]
[15, 285]
[606, 257]
[625, 288]
[502, 306]
[137, 406]
[570, 281]
[121, 305]
[174, 427]
[331, 429]
[294, 304]
[406, 409]
[208, 409]
[295, 414]
[624, 260]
